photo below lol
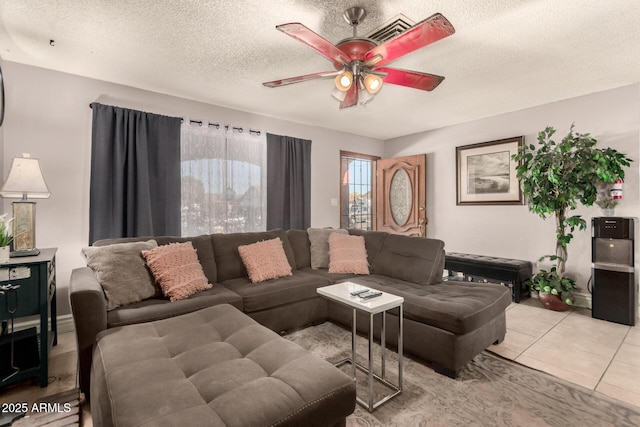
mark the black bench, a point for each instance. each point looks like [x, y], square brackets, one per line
[479, 268]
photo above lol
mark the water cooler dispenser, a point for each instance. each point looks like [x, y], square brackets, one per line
[614, 288]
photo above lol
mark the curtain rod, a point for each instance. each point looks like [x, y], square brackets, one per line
[217, 126]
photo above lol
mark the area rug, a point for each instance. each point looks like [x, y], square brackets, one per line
[490, 391]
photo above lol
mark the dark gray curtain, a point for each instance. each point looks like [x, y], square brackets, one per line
[288, 182]
[135, 174]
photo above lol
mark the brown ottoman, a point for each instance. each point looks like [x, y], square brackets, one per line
[213, 367]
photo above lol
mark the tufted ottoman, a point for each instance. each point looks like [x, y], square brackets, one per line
[212, 367]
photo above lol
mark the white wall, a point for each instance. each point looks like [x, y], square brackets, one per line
[48, 116]
[612, 117]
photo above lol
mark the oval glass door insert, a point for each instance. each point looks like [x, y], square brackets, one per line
[400, 197]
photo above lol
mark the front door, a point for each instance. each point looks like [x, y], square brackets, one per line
[401, 194]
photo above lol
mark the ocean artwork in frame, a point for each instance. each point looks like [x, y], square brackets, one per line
[486, 175]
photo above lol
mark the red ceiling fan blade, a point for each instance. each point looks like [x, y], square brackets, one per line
[352, 97]
[412, 79]
[430, 30]
[300, 79]
[315, 41]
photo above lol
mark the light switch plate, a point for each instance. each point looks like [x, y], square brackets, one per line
[334, 202]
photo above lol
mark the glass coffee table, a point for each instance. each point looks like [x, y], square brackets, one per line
[343, 294]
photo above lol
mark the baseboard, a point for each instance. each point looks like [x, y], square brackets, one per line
[585, 299]
[582, 299]
[64, 324]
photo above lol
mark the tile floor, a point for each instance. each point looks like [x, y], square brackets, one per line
[593, 353]
[596, 354]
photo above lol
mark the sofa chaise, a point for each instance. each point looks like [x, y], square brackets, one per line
[446, 323]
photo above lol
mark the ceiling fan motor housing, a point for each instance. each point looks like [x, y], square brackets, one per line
[355, 48]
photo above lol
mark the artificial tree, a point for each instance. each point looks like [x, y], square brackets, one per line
[557, 177]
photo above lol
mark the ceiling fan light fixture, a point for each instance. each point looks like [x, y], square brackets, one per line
[344, 81]
[365, 97]
[339, 95]
[372, 83]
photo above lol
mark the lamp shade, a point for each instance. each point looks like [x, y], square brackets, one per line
[343, 81]
[372, 83]
[25, 180]
[340, 95]
[365, 97]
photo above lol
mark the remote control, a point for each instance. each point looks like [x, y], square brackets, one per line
[370, 294]
[361, 291]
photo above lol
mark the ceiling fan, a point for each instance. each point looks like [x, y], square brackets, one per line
[360, 63]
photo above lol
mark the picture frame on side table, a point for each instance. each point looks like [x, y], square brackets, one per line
[486, 175]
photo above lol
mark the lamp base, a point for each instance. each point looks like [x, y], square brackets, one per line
[25, 252]
[24, 228]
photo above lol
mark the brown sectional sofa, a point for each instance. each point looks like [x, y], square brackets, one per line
[446, 323]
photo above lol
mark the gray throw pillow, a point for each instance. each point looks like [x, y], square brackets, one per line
[319, 239]
[121, 270]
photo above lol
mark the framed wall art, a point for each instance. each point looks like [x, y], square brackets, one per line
[486, 175]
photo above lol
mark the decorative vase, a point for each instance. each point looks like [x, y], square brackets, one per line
[608, 212]
[553, 302]
[5, 253]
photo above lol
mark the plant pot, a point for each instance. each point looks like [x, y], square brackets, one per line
[4, 254]
[608, 212]
[553, 302]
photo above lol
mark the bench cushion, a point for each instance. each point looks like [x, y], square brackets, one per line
[213, 367]
[488, 266]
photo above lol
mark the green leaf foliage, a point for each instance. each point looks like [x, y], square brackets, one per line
[5, 234]
[549, 282]
[557, 177]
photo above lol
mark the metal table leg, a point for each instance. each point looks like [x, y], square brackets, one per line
[383, 343]
[400, 344]
[370, 408]
[369, 404]
[353, 345]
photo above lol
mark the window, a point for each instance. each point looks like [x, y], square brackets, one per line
[357, 190]
[223, 179]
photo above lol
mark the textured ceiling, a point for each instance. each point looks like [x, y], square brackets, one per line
[506, 55]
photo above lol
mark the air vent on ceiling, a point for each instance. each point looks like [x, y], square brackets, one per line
[391, 28]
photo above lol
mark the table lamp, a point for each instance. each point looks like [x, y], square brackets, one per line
[25, 181]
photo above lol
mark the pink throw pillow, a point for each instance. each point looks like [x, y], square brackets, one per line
[265, 260]
[347, 254]
[177, 270]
